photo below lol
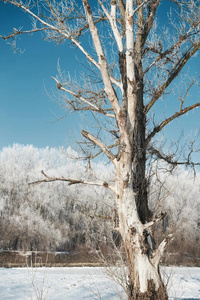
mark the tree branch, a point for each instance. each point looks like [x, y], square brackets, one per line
[156, 220]
[91, 105]
[163, 55]
[63, 31]
[168, 120]
[169, 158]
[84, 210]
[130, 64]
[109, 90]
[18, 32]
[174, 72]
[158, 253]
[101, 151]
[101, 145]
[54, 28]
[152, 8]
[139, 6]
[71, 181]
[112, 20]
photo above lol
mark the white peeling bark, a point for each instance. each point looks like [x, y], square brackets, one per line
[113, 23]
[130, 64]
[109, 90]
[142, 269]
[144, 275]
[129, 40]
[146, 271]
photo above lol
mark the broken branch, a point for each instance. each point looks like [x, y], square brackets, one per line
[156, 220]
[158, 253]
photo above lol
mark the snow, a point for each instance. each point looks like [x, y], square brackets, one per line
[86, 283]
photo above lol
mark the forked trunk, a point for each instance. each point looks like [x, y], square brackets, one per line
[145, 282]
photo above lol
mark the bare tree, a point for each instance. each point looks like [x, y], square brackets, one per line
[132, 73]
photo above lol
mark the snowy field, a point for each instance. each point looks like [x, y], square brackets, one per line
[85, 283]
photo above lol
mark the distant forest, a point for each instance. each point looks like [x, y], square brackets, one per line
[58, 217]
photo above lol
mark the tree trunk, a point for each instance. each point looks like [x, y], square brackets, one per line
[145, 282]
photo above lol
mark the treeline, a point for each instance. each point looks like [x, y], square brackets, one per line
[57, 217]
[49, 216]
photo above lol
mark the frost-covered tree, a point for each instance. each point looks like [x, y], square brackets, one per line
[27, 221]
[179, 198]
[135, 63]
[51, 216]
[55, 216]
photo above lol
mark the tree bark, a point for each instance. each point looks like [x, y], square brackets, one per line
[145, 281]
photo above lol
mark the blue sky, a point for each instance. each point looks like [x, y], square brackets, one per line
[27, 114]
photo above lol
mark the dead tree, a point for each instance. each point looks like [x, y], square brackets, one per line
[134, 71]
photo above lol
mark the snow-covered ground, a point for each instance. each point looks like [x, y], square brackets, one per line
[85, 283]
